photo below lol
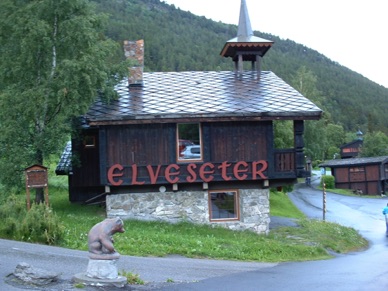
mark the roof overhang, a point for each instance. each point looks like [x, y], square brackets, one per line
[247, 46]
[341, 163]
[204, 118]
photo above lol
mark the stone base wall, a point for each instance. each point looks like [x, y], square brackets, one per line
[191, 206]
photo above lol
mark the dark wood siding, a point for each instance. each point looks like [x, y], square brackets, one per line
[154, 145]
[361, 177]
[357, 176]
[285, 161]
[342, 175]
[147, 144]
[384, 171]
[373, 188]
[238, 141]
[233, 152]
[86, 162]
[351, 150]
[372, 172]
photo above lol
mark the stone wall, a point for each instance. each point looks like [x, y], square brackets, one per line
[191, 206]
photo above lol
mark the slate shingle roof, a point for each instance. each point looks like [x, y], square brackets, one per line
[178, 95]
[64, 166]
[354, 162]
[354, 142]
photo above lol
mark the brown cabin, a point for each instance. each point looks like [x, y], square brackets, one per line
[362, 175]
[197, 146]
[351, 149]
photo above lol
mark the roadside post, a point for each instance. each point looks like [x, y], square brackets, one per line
[324, 201]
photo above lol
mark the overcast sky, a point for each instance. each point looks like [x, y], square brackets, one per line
[353, 33]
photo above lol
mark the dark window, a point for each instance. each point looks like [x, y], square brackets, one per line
[223, 205]
[89, 141]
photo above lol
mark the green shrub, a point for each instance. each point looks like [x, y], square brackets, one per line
[12, 210]
[328, 180]
[288, 188]
[39, 225]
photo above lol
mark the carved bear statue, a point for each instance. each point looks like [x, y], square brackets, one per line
[100, 239]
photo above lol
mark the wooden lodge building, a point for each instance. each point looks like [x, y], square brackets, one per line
[353, 148]
[196, 146]
[363, 175]
[366, 175]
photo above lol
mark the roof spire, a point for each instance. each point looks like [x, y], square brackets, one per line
[244, 24]
[246, 47]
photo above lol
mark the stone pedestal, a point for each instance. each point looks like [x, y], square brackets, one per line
[101, 273]
[102, 269]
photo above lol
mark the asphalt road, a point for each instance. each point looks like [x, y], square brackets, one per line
[365, 270]
[359, 271]
[155, 271]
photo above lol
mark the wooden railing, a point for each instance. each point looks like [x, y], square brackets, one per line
[285, 160]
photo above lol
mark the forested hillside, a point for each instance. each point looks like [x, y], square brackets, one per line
[176, 40]
[56, 55]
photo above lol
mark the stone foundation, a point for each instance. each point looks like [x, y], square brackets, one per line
[102, 269]
[101, 273]
[191, 206]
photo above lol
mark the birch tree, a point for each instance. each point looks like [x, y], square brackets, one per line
[54, 59]
[315, 138]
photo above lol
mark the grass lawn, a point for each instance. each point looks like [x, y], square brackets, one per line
[312, 240]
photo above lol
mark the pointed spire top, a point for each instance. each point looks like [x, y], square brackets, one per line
[244, 24]
[245, 44]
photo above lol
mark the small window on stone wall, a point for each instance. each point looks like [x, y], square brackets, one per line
[223, 205]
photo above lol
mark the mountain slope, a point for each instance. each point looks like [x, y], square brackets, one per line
[177, 40]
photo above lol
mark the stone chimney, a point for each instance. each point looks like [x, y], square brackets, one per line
[134, 52]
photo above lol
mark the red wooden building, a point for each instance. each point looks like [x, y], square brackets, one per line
[351, 149]
[197, 146]
[363, 175]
